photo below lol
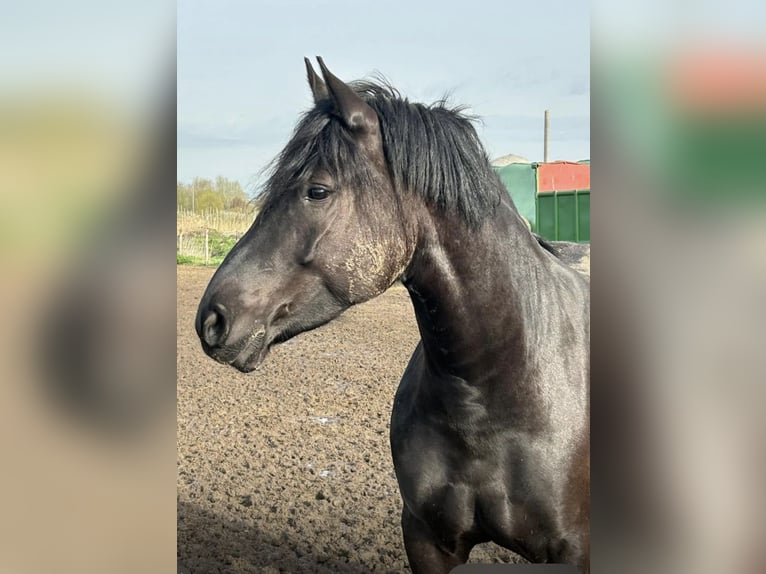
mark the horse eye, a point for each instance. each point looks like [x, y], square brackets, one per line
[317, 193]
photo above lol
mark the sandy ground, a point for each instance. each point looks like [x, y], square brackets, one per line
[288, 469]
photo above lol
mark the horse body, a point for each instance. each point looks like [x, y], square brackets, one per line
[489, 431]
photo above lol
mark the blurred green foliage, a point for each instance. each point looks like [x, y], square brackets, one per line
[218, 245]
[205, 195]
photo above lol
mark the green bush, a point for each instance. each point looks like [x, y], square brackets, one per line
[220, 245]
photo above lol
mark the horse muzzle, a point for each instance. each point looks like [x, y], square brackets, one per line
[237, 341]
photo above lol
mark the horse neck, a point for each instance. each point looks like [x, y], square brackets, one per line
[476, 295]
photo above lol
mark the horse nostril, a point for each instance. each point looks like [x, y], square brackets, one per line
[283, 311]
[215, 326]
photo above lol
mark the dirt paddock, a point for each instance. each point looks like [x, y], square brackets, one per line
[288, 469]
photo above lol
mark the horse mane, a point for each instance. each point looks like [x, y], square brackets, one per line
[434, 151]
[547, 246]
[431, 150]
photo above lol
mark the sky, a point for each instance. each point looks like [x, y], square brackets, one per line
[120, 53]
[242, 82]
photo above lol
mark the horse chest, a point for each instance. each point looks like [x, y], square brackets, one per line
[469, 473]
[445, 487]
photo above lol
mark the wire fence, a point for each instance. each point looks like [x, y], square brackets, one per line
[206, 238]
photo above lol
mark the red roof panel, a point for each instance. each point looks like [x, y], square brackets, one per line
[562, 176]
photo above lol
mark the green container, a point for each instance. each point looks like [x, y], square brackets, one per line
[520, 179]
[564, 215]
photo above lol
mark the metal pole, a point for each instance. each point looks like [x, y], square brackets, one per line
[545, 135]
[207, 249]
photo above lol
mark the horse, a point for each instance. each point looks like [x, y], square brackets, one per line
[489, 430]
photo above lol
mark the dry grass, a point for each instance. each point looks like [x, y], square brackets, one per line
[225, 222]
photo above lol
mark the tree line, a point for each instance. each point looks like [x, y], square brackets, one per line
[205, 195]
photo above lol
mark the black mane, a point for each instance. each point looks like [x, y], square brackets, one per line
[547, 246]
[434, 151]
[431, 150]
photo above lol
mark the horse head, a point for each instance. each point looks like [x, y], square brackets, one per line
[331, 233]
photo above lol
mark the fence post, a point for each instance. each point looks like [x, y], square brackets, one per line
[207, 248]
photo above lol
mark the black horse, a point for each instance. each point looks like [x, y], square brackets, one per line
[490, 425]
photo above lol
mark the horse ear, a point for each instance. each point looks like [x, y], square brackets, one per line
[352, 109]
[318, 87]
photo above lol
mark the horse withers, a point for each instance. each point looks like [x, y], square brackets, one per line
[490, 424]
